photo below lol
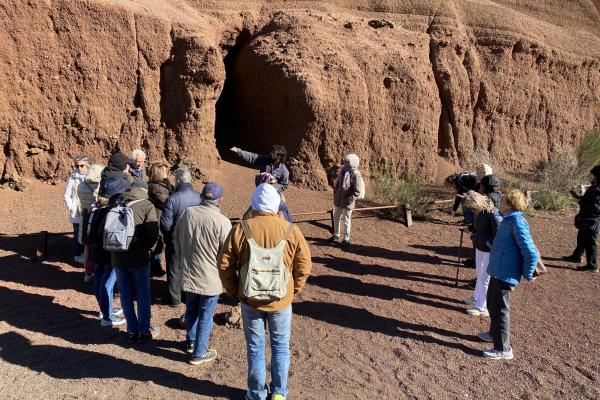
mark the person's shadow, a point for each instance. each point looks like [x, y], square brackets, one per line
[65, 363]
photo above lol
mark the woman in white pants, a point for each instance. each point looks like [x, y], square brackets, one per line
[487, 221]
[347, 190]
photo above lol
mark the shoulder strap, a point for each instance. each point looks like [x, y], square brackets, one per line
[288, 231]
[130, 203]
[246, 230]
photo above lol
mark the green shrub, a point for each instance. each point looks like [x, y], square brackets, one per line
[588, 153]
[556, 179]
[389, 190]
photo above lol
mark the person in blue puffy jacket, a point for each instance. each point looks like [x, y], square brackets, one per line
[513, 255]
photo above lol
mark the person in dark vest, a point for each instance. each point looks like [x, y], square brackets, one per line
[587, 222]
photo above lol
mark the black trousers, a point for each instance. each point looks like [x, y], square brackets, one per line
[586, 241]
[498, 298]
[174, 276]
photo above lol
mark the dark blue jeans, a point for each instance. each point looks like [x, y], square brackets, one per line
[135, 281]
[77, 248]
[199, 313]
[104, 283]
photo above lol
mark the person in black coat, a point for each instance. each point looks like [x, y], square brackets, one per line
[463, 182]
[118, 167]
[490, 187]
[588, 224]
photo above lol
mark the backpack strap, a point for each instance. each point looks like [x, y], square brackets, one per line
[130, 203]
[246, 230]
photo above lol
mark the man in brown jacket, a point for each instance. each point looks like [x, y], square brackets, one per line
[267, 231]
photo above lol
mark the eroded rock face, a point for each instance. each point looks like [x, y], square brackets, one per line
[423, 88]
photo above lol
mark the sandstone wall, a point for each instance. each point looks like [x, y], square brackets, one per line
[439, 83]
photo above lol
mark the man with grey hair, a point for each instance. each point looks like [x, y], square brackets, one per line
[138, 168]
[184, 197]
[199, 237]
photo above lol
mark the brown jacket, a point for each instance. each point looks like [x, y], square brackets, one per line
[267, 229]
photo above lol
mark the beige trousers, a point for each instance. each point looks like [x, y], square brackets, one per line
[342, 215]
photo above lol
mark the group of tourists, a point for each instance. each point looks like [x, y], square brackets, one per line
[125, 216]
[504, 249]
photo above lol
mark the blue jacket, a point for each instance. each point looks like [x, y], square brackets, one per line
[265, 163]
[184, 197]
[513, 253]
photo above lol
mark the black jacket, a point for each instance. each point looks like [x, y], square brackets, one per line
[485, 226]
[113, 172]
[464, 182]
[589, 209]
[491, 185]
[184, 197]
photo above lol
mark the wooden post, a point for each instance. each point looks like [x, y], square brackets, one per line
[332, 221]
[408, 215]
[41, 246]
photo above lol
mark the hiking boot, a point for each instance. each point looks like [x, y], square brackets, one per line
[469, 263]
[333, 239]
[153, 333]
[587, 268]
[189, 347]
[494, 354]
[345, 243]
[469, 301]
[118, 312]
[113, 321]
[573, 258]
[478, 312]
[132, 338]
[210, 355]
[277, 397]
[485, 337]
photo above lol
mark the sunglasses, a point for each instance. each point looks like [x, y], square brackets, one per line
[80, 165]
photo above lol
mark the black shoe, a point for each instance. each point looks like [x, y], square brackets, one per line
[587, 268]
[132, 338]
[471, 284]
[573, 258]
[469, 263]
[344, 243]
[189, 347]
[153, 333]
[333, 239]
[157, 273]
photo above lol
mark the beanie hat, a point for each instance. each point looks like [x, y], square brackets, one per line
[266, 198]
[140, 183]
[212, 191]
[120, 161]
[112, 186]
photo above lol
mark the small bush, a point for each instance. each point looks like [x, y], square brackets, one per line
[556, 179]
[588, 153]
[390, 190]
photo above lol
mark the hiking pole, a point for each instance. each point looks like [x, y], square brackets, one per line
[462, 232]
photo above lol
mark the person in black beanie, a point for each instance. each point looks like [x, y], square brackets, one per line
[587, 221]
[118, 167]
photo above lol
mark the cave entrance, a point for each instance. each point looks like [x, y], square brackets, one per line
[227, 113]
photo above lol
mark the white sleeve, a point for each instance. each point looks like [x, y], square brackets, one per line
[69, 193]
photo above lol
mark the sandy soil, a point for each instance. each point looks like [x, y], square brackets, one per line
[379, 320]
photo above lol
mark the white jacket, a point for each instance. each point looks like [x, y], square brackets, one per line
[71, 198]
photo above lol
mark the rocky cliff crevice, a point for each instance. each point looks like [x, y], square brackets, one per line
[420, 90]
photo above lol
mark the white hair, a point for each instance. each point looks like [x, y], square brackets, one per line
[137, 152]
[352, 160]
[183, 175]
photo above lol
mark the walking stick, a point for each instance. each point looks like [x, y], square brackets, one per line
[462, 232]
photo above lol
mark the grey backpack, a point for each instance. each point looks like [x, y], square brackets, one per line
[119, 227]
[264, 277]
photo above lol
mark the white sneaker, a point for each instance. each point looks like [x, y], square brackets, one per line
[118, 312]
[478, 312]
[469, 300]
[114, 321]
[494, 354]
[486, 337]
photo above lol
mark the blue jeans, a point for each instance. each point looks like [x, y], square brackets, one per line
[104, 283]
[280, 326]
[199, 311]
[135, 281]
[77, 248]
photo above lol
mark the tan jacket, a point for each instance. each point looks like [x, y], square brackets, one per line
[199, 236]
[267, 230]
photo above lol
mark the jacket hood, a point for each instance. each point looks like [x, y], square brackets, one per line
[94, 174]
[135, 193]
[353, 160]
[491, 183]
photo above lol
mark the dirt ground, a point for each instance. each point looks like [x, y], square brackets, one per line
[381, 319]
